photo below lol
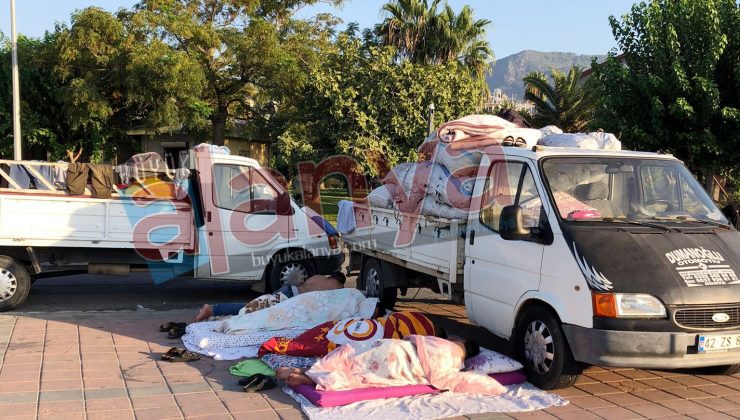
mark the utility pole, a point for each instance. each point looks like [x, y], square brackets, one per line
[430, 128]
[16, 87]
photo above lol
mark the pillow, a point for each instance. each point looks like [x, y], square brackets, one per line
[489, 361]
[336, 398]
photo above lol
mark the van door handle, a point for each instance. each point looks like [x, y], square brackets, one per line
[472, 236]
[208, 216]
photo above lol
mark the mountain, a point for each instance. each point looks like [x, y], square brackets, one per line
[509, 71]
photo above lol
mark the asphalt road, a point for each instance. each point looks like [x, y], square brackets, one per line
[107, 293]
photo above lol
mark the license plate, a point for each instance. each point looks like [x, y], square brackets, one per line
[715, 343]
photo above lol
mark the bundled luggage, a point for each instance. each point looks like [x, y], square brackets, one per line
[441, 184]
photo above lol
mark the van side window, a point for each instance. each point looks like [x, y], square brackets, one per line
[243, 189]
[510, 183]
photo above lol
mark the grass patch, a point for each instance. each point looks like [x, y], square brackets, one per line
[330, 198]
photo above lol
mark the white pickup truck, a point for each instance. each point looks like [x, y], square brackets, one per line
[236, 223]
[577, 257]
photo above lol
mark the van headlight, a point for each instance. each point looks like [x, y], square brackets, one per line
[627, 305]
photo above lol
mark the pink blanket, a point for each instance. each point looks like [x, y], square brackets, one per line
[415, 360]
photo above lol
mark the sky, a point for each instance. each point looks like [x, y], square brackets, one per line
[579, 26]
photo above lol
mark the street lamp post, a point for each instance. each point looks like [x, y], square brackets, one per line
[16, 86]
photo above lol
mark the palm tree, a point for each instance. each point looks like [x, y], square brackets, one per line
[423, 35]
[406, 26]
[565, 103]
[460, 37]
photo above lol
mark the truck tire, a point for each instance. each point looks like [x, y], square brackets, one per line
[295, 269]
[543, 349]
[720, 370]
[15, 283]
[373, 282]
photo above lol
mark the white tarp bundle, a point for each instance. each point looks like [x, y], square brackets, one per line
[597, 140]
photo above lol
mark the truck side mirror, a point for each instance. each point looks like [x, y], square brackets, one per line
[283, 205]
[511, 224]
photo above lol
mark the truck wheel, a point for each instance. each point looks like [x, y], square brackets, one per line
[544, 351]
[374, 284]
[720, 370]
[15, 283]
[294, 270]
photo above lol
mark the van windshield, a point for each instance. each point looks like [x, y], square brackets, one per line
[612, 189]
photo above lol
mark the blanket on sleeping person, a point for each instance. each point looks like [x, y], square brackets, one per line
[303, 311]
[415, 360]
[324, 338]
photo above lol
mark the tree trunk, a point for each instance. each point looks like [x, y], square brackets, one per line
[219, 127]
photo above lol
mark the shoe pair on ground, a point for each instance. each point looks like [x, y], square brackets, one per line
[173, 329]
[258, 382]
[180, 355]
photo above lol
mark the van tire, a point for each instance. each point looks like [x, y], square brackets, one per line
[373, 282]
[294, 262]
[15, 283]
[720, 370]
[538, 335]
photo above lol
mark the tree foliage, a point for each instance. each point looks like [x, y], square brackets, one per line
[680, 88]
[565, 102]
[202, 65]
[424, 34]
[365, 103]
[45, 128]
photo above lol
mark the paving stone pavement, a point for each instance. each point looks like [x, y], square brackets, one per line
[105, 365]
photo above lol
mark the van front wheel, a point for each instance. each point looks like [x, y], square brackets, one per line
[15, 283]
[720, 370]
[544, 351]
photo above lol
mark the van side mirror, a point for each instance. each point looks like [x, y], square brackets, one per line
[283, 205]
[511, 224]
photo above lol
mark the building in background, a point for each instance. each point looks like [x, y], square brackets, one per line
[173, 144]
[498, 100]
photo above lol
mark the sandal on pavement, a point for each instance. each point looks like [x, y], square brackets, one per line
[176, 333]
[170, 325]
[175, 354]
[172, 352]
[258, 382]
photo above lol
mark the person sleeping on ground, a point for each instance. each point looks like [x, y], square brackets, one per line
[324, 338]
[415, 360]
[312, 284]
[304, 311]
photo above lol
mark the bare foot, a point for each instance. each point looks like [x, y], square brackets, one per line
[205, 312]
[296, 379]
[282, 373]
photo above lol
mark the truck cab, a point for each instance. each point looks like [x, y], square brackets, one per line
[610, 258]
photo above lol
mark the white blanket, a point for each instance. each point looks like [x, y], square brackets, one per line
[346, 217]
[306, 311]
[523, 397]
[202, 338]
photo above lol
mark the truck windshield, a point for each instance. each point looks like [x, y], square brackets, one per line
[613, 189]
